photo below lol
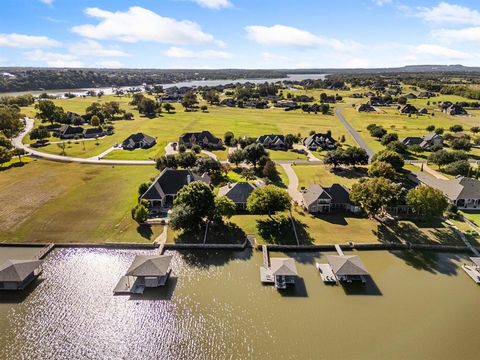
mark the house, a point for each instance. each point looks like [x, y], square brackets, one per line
[425, 142]
[138, 141]
[423, 111]
[239, 192]
[320, 141]
[455, 110]
[274, 142]
[408, 109]
[228, 102]
[74, 118]
[365, 108]
[284, 271]
[69, 132]
[170, 98]
[285, 104]
[426, 94]
[463, 192]
[93, 133]
[165, 187]
[411, 96]
[318, 199]
[18, 274]
[205, 139]
[369, 94]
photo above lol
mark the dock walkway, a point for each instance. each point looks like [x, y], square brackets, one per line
[326, 273]
[473, 272]
[128, 285]
[44, 251]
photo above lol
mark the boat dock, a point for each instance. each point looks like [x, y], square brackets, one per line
[266, 258]
[44, 251]
[339, 250]
[326, 273]
[473, 270]
[128, 285]
[265, 272]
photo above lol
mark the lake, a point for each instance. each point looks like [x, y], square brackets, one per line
[416, 306]
[109, 90]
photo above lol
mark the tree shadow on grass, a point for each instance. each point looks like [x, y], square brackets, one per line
[145, 231]
[350, 173]
[279, 231]
[225, 233]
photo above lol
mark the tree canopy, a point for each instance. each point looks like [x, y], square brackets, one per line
[374, 194]
[268, 200]
[427, 201]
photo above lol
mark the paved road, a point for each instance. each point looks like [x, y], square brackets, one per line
[353, 132]
[292, 183]
[18, 143]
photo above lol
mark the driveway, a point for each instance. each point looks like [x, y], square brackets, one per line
[355, 134]
[292, 183]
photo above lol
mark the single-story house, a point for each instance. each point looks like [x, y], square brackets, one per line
[318, 199]
[425, 142]
[320, 141]
[68, 132]
[455, 109]
[286, 104]
[165, 187]
[408, 109]
[411, 96]
[228, 102]
[74, 118]
[205, 139]
[463, 192]
[93, 133]
[18, 274]
[138, 141]
[239, 192]
[423, 111]
[274, 142]
[365, 108]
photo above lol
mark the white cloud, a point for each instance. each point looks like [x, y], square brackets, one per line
[282, 35]
[54, 59]
[26, 41]
[112, 64]
[214, 4]
[382, 2]
[93, 48]
[47, 2]
[445, 13]
[140, 24]
[440, 51]
[182, 53]
[469, 34]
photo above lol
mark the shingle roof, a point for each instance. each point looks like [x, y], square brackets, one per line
[150, 265]
[135, 139]
[237, 192]
[347, 265]
[200, 136]
[283, 267]
[454, 189]
[337, 193]
[17, 270]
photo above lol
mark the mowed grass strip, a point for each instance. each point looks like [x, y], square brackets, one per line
[72, 203]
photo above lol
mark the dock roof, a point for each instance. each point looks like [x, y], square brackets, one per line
[17, 270]
[283, 267]
[150, 265]
[347, 265]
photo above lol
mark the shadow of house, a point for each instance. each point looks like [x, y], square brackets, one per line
[17, 297]
[370, 288]
[299, 290]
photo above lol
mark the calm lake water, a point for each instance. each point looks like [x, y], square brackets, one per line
[109, 90]
[416, 307]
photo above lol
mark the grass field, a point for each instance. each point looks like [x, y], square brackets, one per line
[323, 175]
[168, 127]
[69, 203]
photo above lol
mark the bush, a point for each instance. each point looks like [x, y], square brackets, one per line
[461, 167]
[461, 144]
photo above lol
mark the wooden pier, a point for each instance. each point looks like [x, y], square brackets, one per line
[473, 270]
[326, 273]
[128, 285]
[266, 258]
[44, 251]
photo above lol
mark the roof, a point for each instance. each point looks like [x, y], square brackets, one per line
[137, 138]
[283, 267]
[458, 188]
[412, 140]
[271, 139]
[319, 139]
[18, 270]
[431, 136]
[238, 192]
[347, 265]
[336, 192]
[170, 181]
[150, 265]
[200, 136]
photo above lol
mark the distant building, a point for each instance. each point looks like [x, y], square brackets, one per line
[205, 139]
[365, 108]
[69, 132]
[455, 110]
[165, 187]
[228, 102]
[318, 199]
[423, 111]
[93, 133]
[239, 192]
[274, 142]
[408, 109]
[138, 141]
[425, 142]
[320, 141]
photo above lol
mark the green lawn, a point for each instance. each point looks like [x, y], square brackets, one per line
[472, 216]
[168, 127]
[70, 203]
[324, 175]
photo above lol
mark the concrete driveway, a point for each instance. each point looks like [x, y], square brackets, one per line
[293, 191]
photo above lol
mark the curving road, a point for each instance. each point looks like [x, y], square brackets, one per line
[29, 123]
[352, 131]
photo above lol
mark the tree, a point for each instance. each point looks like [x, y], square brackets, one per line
[193, 203]
[224, 207]
[211, 96]
[128, 116]
[189, 100]
[19, 153]
[168, 107]
[270, 170]
[39, 134]
[204, 108]
[46, 110]
[228, 138]
[397, 146]
[6, 143]
[196, 149]
[147, 107]
[375, 194]
[460, 167]
[237, 156]
[388, 138]
[417, 149]
[444, 157]
[439, 131]
[254, 152]
[475, 129]
[5, 155]
[186, 160]
[427, 201]
[137, 99]
[95, 120]
[142, 188]
[140, 212]
[430, 128]
[167, 161]
[382, 169]
[391, 157]
[334, 157]
[354, 156]
[456, 128]
[248, 174]
[207, 165]
[268, 200]
[378, 132]
[95, 109]
[10, 123]
[62, 145]
[461, 144]
[110, 109]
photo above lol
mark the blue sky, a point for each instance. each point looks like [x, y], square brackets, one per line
[238, 33]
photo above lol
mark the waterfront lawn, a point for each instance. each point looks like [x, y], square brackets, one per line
[72, 203]
[473, 216]
[325, 176]
[168, 127]
[228, 233]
